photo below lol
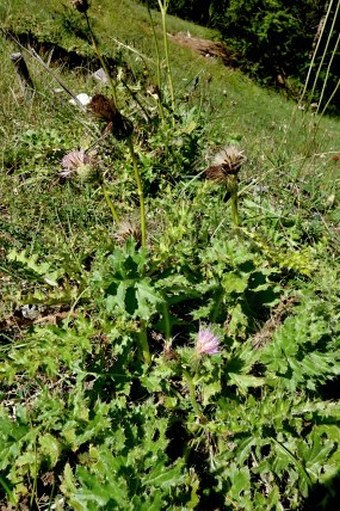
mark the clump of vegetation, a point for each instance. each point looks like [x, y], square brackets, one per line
[168, 322]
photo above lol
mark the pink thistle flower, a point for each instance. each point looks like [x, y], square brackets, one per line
[207, 342]
[79, 163]
[72, 161]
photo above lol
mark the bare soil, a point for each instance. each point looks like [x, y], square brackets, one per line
[205, 47]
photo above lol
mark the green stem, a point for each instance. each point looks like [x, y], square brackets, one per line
[140, 191]
[234, 209]
[158, 56]
[217, 305]
[192, 393]
[325, 50]
[101, 60]
[110, 204]
[334, 53]
[303, 472]
[159, 81]
[234, 202]
[163, 9]
[35, 475]
[135, 98]
[311, 65]
[166, 318]
[143, 343]
[329, 100]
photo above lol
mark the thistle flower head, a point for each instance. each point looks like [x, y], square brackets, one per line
[128, 229]
[230, 158]
[80, 5]
[105, 110]
[226, 163]
[77, 163]
[207, 343]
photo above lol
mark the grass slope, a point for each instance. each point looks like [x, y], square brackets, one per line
[87, 421]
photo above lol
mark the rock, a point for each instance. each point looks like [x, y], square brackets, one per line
[83, 99]
[100, 75]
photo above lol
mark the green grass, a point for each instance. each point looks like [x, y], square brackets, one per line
[87, 422]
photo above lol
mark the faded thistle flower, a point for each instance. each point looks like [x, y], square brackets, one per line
[128, 229]
[105, 110]
[207, 343]
[77, 163]
[226, 163]
[80, 5]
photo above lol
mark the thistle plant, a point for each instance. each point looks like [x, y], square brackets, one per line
[224, 169]
[106, 110]
[206, 344]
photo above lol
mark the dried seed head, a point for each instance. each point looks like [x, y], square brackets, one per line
[105, 110]
[230, 158]
[215, 173]
[80, 5]
[128, 229]
[226, 163]
[78, 163]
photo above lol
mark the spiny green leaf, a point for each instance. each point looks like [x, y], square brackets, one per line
[50, 447]
[148, 299]
[163, 477]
